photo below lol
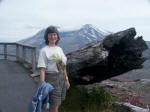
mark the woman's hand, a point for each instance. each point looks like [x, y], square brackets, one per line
[67, 84]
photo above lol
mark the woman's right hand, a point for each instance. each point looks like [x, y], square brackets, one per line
[67, 84]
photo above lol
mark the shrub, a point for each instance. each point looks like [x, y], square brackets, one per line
[86, 99]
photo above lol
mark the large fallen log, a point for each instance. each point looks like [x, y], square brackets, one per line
[115, 54]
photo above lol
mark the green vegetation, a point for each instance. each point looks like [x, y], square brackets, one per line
[87, 99]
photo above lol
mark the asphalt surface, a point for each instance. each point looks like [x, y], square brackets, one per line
[16, 87]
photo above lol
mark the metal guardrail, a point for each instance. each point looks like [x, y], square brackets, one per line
[20, 59]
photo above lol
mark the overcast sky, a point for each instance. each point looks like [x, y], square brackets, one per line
[20, 19]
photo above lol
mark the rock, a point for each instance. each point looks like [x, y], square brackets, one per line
[115, 54]
[120, 79]
[145, 81]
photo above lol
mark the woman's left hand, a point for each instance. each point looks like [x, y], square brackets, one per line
[67, 84]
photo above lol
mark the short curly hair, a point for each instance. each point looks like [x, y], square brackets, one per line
[51, 29]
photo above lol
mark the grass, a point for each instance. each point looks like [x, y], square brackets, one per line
[88, 99]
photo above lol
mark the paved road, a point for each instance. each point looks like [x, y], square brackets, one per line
[16, 87]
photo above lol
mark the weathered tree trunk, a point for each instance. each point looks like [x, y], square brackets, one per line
[115, 54]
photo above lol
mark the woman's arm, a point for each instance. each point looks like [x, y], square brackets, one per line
[67, 80]
[42, 74]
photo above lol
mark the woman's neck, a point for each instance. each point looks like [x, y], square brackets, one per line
[52, 45]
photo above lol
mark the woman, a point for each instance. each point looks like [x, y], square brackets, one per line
[51, 62]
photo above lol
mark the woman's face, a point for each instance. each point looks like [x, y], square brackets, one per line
[52, 38]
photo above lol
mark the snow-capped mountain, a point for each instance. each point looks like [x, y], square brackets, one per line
[69, 40]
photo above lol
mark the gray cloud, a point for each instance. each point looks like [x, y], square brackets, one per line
[19, 21]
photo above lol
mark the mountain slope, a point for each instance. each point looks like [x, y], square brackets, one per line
[70, 40]
[146, 53]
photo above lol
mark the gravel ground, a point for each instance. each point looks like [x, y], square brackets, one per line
[142, 85]
[135, 82]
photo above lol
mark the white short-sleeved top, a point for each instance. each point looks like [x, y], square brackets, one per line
[45, 58]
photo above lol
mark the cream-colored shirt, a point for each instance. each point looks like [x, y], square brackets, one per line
[45, 58]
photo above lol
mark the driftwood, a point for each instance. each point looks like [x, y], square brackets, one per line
[127, 107]
[115, 54]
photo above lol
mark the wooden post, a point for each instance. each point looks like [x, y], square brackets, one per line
[33, 59]
[23, 54]
[5, 51]
[17, 52]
